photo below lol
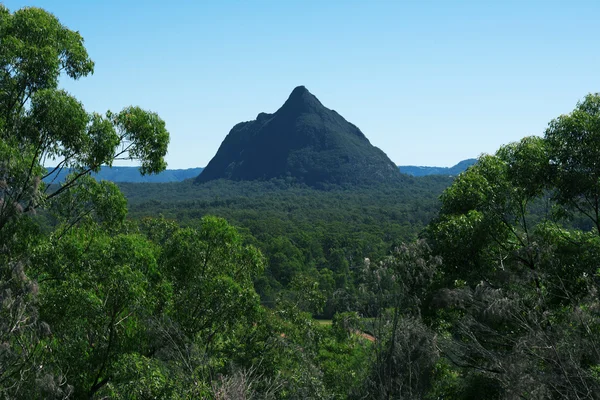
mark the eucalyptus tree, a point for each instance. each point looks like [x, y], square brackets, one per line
[574, 148]
[518, 307]
[41, 124]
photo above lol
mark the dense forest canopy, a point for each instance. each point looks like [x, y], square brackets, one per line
[211, 291]
[321, 233]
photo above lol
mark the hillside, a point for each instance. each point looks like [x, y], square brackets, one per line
[302, 141]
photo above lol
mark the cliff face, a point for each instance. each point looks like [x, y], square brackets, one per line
[304, 140]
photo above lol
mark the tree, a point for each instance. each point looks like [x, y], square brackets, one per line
[574, 146]
[486, 213]
[212, 272]
[517, 307]
[393, 293]
[42, 124]
[99, 292]
[39, 123]
[211, 316]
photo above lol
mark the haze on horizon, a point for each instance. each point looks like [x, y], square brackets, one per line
[429, 83]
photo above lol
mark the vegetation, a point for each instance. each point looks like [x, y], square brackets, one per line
[325, 234]
[496, 297]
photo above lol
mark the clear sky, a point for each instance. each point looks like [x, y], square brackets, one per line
[428, 82]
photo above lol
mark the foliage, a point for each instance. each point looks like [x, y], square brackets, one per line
[302, 230]
[40, 122]
[573, 155]
[517, 306]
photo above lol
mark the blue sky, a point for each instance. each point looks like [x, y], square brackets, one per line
[428, 82]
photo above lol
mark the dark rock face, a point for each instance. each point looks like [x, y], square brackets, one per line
[303, 140]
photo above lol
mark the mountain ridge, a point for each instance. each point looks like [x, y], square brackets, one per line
[416, 170]
[131, 175]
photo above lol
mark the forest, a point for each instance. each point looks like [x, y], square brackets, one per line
[481, 286]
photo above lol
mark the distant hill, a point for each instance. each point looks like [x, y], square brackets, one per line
[304, 141]
[132, 174]
[424, 171]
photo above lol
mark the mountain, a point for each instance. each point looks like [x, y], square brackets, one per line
[423, 171]
[132, 174]
[303, 140]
